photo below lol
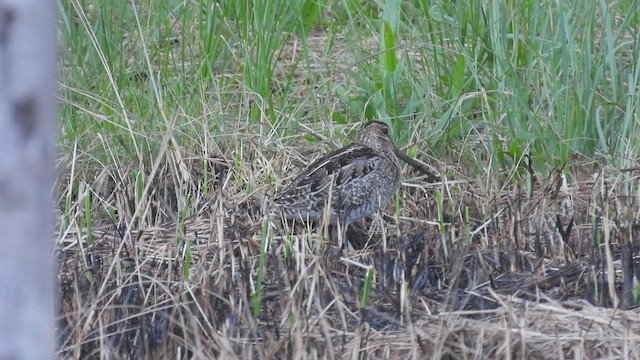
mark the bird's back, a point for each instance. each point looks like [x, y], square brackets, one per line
[355, 180]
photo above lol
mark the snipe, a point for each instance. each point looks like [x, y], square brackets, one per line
[354, 181]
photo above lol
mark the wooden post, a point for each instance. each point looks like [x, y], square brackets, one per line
[27, 115]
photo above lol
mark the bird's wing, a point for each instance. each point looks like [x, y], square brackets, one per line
[340, 167]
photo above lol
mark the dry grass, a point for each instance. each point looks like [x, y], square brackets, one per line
[494, 272]
[486, 263]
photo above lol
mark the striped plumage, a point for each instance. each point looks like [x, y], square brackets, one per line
[356, 180]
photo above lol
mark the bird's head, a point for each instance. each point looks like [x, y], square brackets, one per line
[376, 135]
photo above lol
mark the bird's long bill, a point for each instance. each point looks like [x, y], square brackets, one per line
[418, 165]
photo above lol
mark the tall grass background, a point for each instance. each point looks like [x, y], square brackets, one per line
[164, 103]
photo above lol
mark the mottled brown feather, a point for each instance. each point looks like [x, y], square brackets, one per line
[356, 180]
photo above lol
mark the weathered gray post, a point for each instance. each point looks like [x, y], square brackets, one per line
[27, 115]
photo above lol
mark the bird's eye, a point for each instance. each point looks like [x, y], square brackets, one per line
[385, 131]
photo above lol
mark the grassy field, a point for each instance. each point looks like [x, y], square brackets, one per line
[180, 120]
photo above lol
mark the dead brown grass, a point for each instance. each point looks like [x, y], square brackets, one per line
[499, 272]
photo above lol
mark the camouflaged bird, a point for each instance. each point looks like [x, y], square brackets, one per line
[355, 180]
